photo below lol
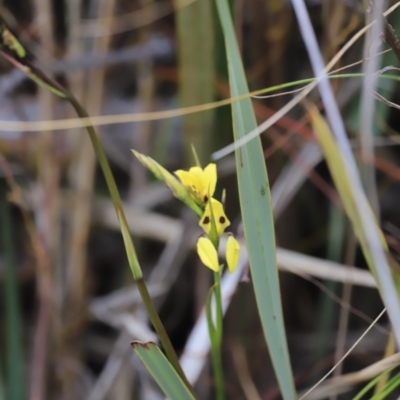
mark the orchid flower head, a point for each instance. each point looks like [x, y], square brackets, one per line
[200, 181]
[178, 189]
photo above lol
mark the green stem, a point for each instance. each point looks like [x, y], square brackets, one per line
[16, 57]
[112, 187]
[216, 341]
[218, 300]
[217, 369]
[130, 250]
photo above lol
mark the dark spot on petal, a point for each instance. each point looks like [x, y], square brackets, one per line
[221, 220]
[262, 191]
[206, 220]
[205, 199]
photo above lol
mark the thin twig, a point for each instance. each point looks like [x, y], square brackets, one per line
[344, 357]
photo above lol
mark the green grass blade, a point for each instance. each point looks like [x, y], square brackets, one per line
[370, 385]
[326, 317]
[255, 201]
[14, 354]
[162, 371]
[390, 386]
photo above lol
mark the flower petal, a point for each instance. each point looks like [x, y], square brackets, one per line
[232, 253]
[210, 179]
[207, 253]
[187, 179]
[221, 220]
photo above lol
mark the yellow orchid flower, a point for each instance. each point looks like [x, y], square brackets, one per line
[207, 253]
[232, 253]
[201, 182]
[221, 220]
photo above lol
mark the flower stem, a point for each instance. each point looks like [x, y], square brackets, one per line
[216, 341]
[218, 300]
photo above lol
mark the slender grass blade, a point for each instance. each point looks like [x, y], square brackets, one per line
[255, 200]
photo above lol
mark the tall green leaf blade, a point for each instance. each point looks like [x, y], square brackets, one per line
[255, 200]
[162, 371]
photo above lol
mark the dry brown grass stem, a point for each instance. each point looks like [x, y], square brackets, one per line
[346, 382]
[306, 394]
[47, 211]
[82, 175]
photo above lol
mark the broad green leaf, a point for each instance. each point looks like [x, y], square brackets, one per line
[162, 371]
[255, 201]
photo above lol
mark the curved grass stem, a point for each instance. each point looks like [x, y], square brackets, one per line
[130, 250]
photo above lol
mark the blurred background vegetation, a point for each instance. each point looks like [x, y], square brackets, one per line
[69, 307]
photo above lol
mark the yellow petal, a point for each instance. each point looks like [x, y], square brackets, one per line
[232, 253]
[183, 176]
[207, 253]
[209, 179]
[197, 177]
[192, 180]
[221, 220]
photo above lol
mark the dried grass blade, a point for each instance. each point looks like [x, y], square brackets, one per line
[358, 210]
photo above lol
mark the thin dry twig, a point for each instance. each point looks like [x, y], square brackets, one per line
[344, 357]
[346, 382]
